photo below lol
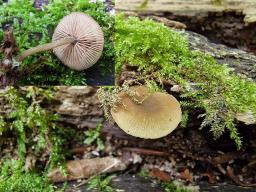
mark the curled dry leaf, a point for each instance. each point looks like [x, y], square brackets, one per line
[186, 175]
[161, 175]
[210, 176]
[80, 169]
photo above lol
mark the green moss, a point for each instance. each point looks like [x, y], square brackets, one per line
[33, 27]
[14, 178]
[176, 187]
[92, 136]
[100, 183]
[32, 128]
[161, 51]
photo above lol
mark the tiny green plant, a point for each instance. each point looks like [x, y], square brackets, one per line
[100, 183]
[164, 54]
[31, 128]
[13, 177]
[143, 174]
[93, 136]
[176, 187]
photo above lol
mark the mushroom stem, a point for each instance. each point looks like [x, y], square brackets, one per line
[45, 47]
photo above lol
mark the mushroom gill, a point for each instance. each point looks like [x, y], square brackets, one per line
[77, 41]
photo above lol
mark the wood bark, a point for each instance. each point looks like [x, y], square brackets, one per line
[130, 183]
[80, 107]
[191, 7]
[224, 21]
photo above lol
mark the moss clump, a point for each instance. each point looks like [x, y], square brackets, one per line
[33, 27]
[177, 187]
[30, 129]
[13, 177]
[161, 51]
[100, 183]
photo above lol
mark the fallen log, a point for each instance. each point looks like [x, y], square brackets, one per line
[228, 21]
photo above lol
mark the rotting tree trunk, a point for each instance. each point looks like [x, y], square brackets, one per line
[129, 183]
[228, 21]
[80, 107]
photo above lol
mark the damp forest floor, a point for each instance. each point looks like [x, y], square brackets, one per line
[186, 160]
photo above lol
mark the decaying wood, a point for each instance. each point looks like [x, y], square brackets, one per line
[86, 168]
[191, 7]
[230, 173]
[131, 183]
[78, 106]
[243, 64]
[229, 21]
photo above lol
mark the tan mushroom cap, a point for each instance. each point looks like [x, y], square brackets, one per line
[88, 47]
[157, 116]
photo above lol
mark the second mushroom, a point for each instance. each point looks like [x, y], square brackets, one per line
[77, 41]
[147, 115]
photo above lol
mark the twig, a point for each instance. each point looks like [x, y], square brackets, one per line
[231, 175]
[145, 151]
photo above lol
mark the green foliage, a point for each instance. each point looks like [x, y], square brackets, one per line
[34, 27]
[93, 136]
[101, 183]
[33, 127]
[159, 50]
[14, 178]
[143, 174]
[175, 187]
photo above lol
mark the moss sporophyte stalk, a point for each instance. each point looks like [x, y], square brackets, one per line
[159, 50]
[34, 27]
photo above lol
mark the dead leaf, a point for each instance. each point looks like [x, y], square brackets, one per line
[161, 175]
[210, 176]
[186, 175]
[80, 169]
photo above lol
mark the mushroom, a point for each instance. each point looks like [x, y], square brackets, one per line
[77, 41]
[148, 115]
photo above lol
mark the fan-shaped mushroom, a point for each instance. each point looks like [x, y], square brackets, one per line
[77, 41]
[155, 114]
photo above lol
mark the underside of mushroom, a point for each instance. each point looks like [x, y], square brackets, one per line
[77, 41]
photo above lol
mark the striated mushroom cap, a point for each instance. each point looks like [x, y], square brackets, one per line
[88, 47]
[157, 115]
